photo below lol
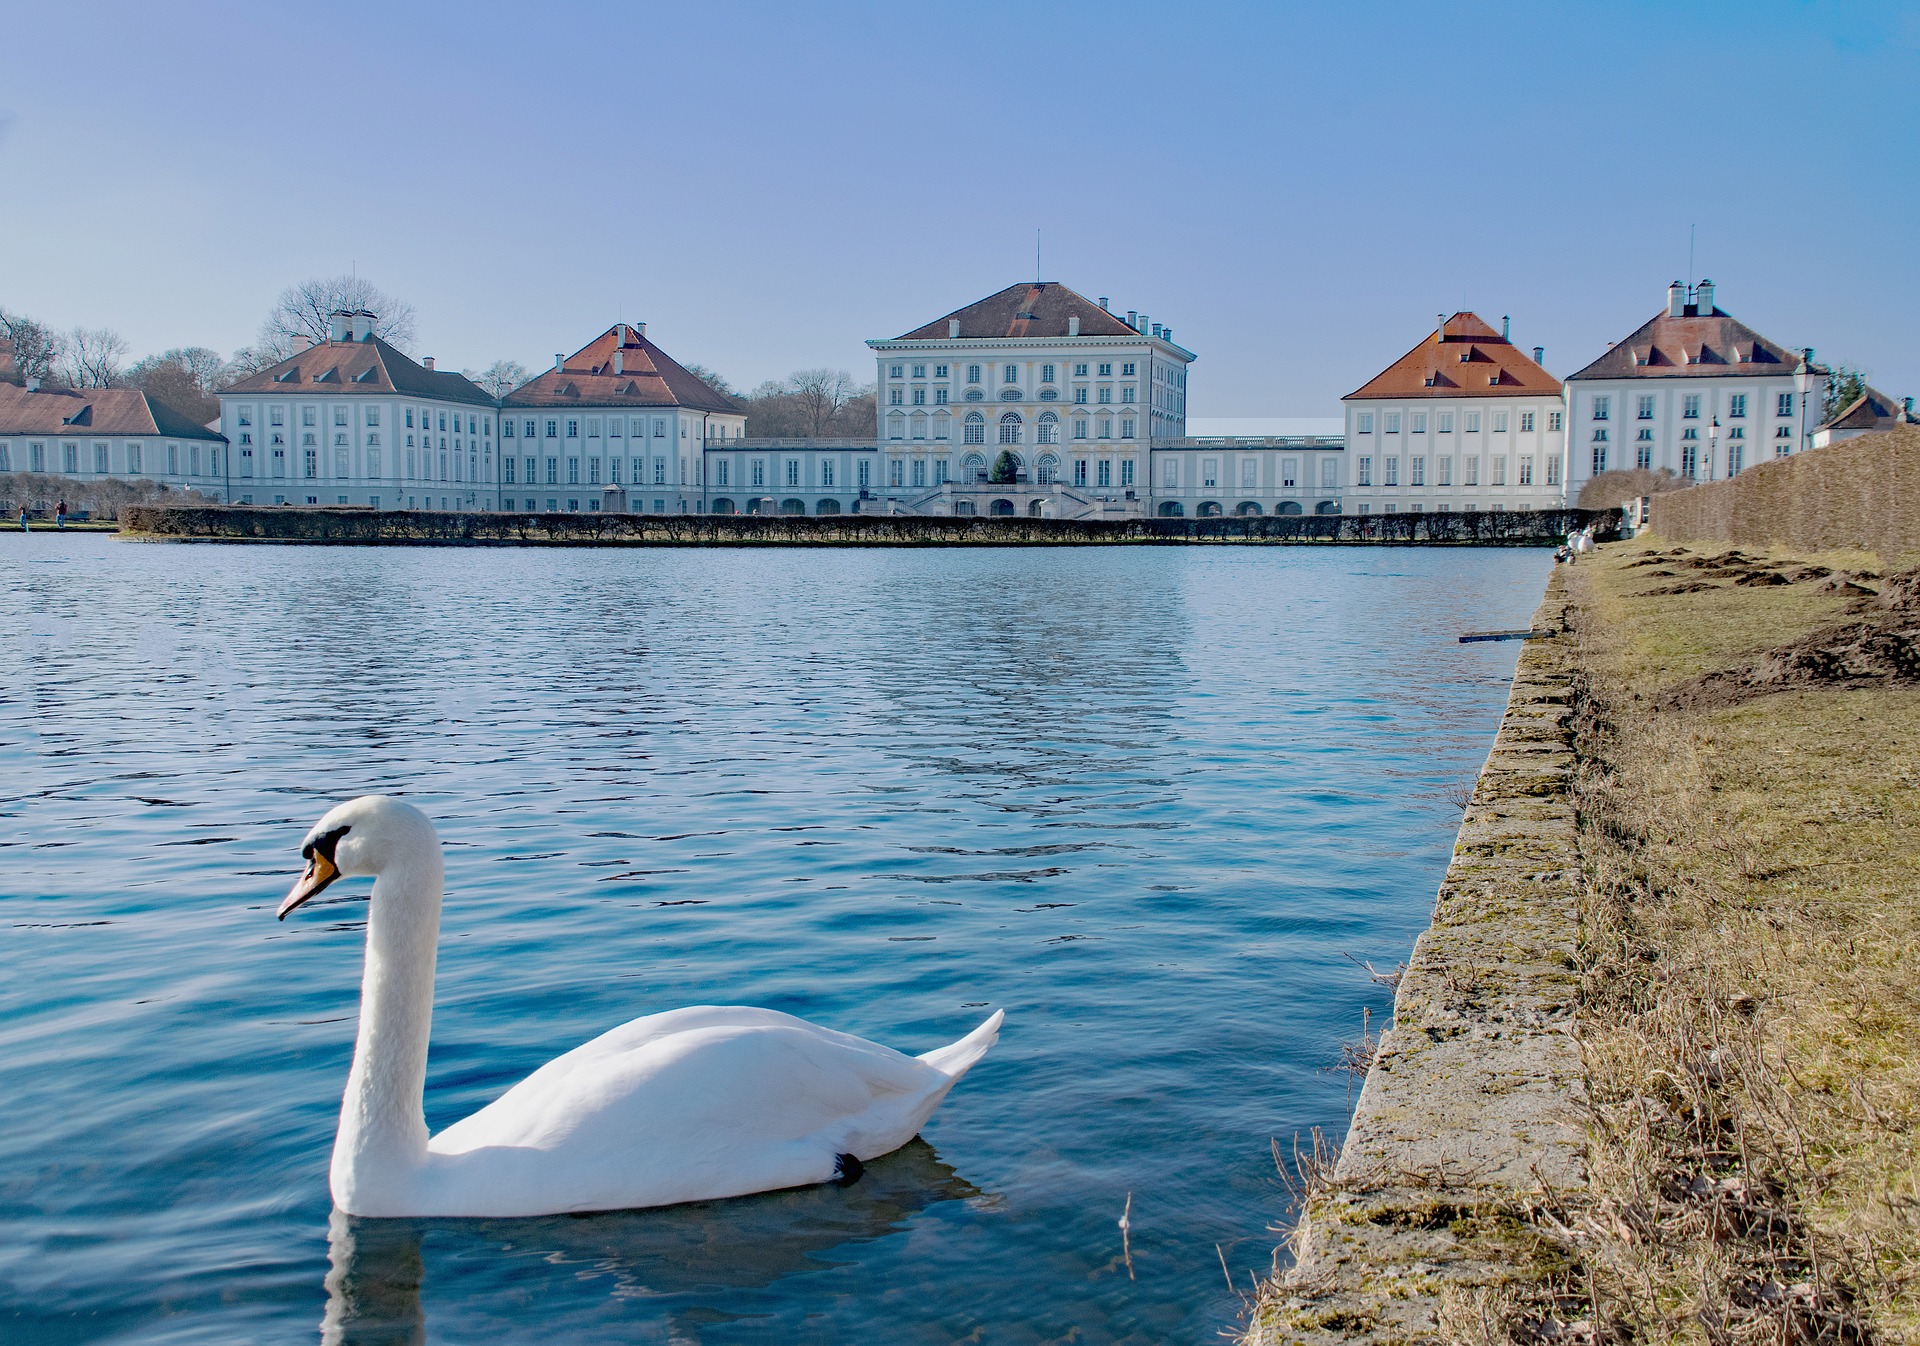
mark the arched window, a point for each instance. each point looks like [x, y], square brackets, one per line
[1170, 509]
[827, 507]
[963, 507]
[1049, 468]
[1049, 432]
[1010, 428]
[973, 468]
[976, 428]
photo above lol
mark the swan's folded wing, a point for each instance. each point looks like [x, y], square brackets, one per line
[726, 1075]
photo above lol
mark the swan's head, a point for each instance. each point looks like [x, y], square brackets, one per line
[360, 837]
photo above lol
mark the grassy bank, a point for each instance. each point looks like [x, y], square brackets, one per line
[1746, 733]
[1750, 1014]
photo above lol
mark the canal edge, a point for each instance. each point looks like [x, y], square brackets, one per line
[1469, 1115]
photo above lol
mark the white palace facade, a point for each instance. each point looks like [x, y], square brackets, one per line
[1035, 401]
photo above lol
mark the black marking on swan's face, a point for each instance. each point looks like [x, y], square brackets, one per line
[321, 870]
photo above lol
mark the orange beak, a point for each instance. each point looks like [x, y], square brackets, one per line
[320, 872]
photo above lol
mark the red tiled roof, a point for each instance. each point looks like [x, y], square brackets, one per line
[1709, 345]
[1464, 358]
[1032, 309]
[359, 367]
[93, 411]
[646, 377]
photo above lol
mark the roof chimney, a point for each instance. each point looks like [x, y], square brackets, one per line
[1142, 328]
[1906, 402]
[33, 386]
[339, 325]
[1439, 328]
[1703, 298]
[1103, 301]
[619, 362]
[362, 325]
[1676, 300]
[1073, 324]
[1166, 334]
[1133, 320]
[1506, 327]
[427, 363]
[953, 329]
[639, 331]
[1540, 355]
[559, 362]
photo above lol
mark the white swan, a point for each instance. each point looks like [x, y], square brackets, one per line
[690, 1105]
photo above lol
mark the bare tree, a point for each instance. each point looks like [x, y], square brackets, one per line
[90, 357]
[304, 312]
[819, 395]
[185, 378]
[501, 377]
[36, 349]
[717, 382]
[248, 360]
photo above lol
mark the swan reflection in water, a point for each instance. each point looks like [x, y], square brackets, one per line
[746, 1243]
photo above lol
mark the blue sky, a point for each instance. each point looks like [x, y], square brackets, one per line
[1296, 189]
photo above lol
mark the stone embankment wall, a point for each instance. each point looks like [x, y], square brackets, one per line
[1469, 1112]
[215, 523]
[1861, 495]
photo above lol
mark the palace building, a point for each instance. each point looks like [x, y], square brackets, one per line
[352, 421]
[621, 425]
[1463, 421]
[1693, 391]
[95, 434]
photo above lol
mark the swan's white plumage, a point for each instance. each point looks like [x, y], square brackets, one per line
[693, 1104]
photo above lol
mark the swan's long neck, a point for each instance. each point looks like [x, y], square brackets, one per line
[382, 1141]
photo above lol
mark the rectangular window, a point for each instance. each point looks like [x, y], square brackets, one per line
[1126, 427]
[1553, 470]
[1443, 422]
[1170, 473]
[593, 471]
[1289, 469]
[1104, 477]
[1126, 370]
[1080, 472]
[1646, 407]
[1080, 427]
[895, 397]
[1392, 477]
[506, 471]
[659, 472]
[1417, 471]
[1392, 422]
[1690, 407]
[973, 373]
[340, 416]
[1526, 422]
[573, 471]
[793, 471]
[1526, 469]
[1417, 422]
[896, 473]
[1499, 423]
[1126, 393]
[1363, 423]
[896, 371]
[1046, 373]
[1689, 460]
[919, 473]
[1010, 374]
[1249, 473]
[1126, 473]
[826, 474]
[1329, 474]
[101, 457]
[1106, 371]
[1470, 470]
[1601, 407]
[1364, 471]
[939, 397]
[759, 472]
[1106, 395]
[939, 371]
[1553, 421]
[865, 478]
[1736, 406]
[553, 471]
[1473, 423]
[1499, 463]
[1599, 459]
[1443, 470]
[919, 397]
[1783, 404]
[573, 429]
[1079, 371]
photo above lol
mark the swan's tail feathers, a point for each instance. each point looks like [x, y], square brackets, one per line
[957, 1058]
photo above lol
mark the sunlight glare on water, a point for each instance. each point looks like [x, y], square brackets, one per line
[1142, 799]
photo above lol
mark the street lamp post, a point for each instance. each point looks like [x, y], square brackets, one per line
[1802, 387]
[1713, 446]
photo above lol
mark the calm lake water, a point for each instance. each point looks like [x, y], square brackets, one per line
[1144, 800]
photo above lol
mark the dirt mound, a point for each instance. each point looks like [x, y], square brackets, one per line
[1690, 587]
[1753, 577]
[1901, 593]
[1855, 654]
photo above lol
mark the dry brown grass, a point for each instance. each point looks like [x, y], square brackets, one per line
[1750, 1016]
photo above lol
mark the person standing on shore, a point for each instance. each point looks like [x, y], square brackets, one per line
[24, 527]
[60, 514]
